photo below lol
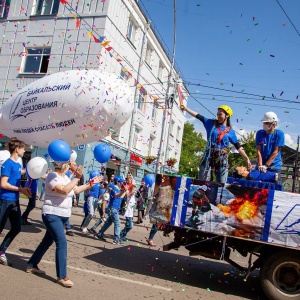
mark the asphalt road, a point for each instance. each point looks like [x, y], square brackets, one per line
[102, 270]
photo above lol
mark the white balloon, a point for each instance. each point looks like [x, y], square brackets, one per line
[73, 155]
[77, 106]
[37, 167]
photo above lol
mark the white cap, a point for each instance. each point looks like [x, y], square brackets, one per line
[73, 156]
[270, 117]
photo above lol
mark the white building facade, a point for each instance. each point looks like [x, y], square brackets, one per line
[40, 37]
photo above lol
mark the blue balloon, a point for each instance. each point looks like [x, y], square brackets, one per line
[149, 179]
[59, 151]
[102, 153]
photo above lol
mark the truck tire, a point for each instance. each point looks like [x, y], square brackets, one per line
[280, 276]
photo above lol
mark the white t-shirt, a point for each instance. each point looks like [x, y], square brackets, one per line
[4, 155]
[56, 203]
[130, 207]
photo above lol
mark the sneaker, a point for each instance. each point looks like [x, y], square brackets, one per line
[70, 233]
[100, 237]
[34, 270]
[4, 261]
[150, 242]
[120, 242]
[65, 282]
[84, 230]
[25, 222]
[93, 230]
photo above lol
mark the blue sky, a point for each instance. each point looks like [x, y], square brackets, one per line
[243, 53]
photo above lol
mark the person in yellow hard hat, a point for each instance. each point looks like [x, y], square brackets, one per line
[219, 135]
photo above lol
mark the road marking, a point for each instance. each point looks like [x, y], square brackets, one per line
[102, 274]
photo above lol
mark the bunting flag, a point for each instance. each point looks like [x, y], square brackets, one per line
[77, 23]
[73, 15]
[104, 44]
[113, 53]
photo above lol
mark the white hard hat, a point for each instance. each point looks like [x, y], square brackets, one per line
[270, 117]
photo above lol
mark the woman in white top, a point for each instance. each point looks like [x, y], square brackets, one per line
[59, 190]
[130, 206]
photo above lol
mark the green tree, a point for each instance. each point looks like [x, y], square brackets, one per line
[192, 147]
[248, 143]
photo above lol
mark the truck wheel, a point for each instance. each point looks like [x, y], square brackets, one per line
[280, 276]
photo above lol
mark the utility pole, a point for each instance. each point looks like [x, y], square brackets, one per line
[132, 127]
[160, 157]
[295, 171]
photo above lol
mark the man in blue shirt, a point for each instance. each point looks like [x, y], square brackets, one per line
[92, 199]
[9, 195]
[268, 145]
[114, 205]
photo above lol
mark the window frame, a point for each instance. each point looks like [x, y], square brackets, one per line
[39, 4]
[141, 104]
[124, 75]
[131, 31]
[148, 55]
[151, 143]
[136, 135]
[5, 9]
[43, 58]
[160, 72]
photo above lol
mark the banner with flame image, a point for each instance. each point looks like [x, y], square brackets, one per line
[254, 213]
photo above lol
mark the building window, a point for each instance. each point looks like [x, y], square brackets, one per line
[124, 74]
[154, 113]
[178, 133]
[47, 7]
[4, 8]
[136, 141]
[148, 55]
[151, 144]
[142, 103]
[36, 60]
[131, 31]
[172, 123]
[160, 72]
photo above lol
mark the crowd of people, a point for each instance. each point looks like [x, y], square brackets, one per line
[115, 195]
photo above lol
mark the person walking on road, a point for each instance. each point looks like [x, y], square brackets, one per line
[9, 195]
[56, 211]
[131, 203]
[116, 195]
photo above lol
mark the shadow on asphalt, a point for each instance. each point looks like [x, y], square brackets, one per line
[20, 263]
[183, 270]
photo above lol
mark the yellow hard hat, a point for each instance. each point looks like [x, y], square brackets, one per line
[227, 109]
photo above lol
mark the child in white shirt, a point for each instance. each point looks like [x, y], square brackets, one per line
[131, 203]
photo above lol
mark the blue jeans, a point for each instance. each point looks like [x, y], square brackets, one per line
[55, 232]
[10, 210]
[92, 206]
[220, 173]
[127, 228]
[68, 225]
[30, 206]
[113, 217]
[42, 191]
[153, 231]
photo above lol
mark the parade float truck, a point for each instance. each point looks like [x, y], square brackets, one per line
[257, 220]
